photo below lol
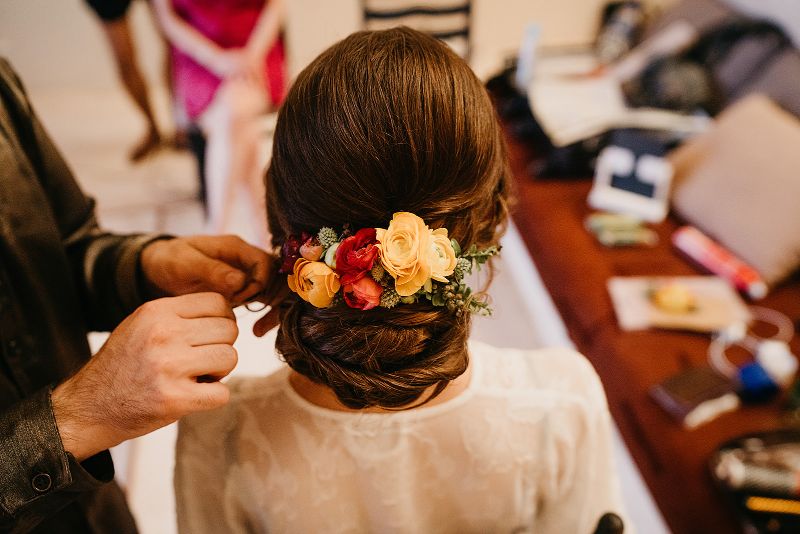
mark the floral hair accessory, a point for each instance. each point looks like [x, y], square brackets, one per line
[402, 264]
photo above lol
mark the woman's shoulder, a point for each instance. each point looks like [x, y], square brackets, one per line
[554, 371]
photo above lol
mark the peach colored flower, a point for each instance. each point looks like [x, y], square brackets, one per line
[314, 281]
[442, 257]
[311, 249]
[405, 251]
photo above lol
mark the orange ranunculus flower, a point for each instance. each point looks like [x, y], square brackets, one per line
[314, 281]
[405, 251]
[442, 257]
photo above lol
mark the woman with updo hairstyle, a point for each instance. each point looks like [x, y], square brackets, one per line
[387, 418]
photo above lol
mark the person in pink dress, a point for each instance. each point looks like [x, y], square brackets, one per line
[228, 68]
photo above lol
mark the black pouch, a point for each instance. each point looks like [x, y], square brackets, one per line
[719, 68]
[758, 474]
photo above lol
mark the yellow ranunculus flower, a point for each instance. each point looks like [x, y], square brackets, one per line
[405, 252]
[314, 281]
[442, 256]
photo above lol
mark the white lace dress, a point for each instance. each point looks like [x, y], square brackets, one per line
[525, 448]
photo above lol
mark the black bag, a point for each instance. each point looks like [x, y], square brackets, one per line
[759, 498]
[716, 70]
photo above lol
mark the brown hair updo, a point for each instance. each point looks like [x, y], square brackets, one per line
[383, 122]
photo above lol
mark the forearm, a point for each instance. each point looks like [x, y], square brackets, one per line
[267, 29]
[80, 434]
[37, 475]
[184, 37]
[103, 266]
[107, 272]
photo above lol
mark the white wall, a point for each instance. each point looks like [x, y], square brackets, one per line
[59, 43]
[497, 26]
[56, 44]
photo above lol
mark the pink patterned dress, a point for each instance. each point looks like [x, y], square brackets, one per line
[228, 23]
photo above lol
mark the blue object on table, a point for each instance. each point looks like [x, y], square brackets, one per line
[756, 385]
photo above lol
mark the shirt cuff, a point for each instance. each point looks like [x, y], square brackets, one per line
[35, 468]
[128, 273]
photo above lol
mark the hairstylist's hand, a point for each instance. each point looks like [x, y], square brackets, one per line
[223, 264]
[161, 363]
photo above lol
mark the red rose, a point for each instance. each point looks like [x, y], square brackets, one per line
[356, 255]
[363, 294]
[290, 252]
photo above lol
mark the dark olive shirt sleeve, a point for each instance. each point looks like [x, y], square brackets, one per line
[60, 277]
[105, 266]
[38, 477]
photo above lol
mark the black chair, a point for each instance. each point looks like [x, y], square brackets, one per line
[450, 23]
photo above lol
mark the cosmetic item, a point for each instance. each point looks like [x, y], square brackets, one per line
[696, 396]
[777, 359]
[773, 366]
[720, 261]
[602, 220]
[754, 382]
[760, 474]
[626, 238]
[742, 475]
[618, 230]
[772, 506]
[622, 24]
[673, 297]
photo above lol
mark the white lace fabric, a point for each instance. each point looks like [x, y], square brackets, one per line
[526, 447]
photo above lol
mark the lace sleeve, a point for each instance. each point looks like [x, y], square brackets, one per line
[586, 483]
[201, 472]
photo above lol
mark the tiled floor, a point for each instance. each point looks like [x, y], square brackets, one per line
[94, 131]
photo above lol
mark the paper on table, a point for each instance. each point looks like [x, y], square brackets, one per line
[717, 304]
[574, 108]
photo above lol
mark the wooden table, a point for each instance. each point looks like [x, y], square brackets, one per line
[575, 267]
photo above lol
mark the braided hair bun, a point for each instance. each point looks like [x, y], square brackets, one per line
[383, 122]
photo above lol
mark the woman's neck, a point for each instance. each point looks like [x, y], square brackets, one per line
[324, 396]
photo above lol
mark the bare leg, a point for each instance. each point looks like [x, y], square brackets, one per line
[219, 165]
[254, 189]
[257, 194]
[180, 139]
[119, 37]
[231, 124]
[180, 121]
